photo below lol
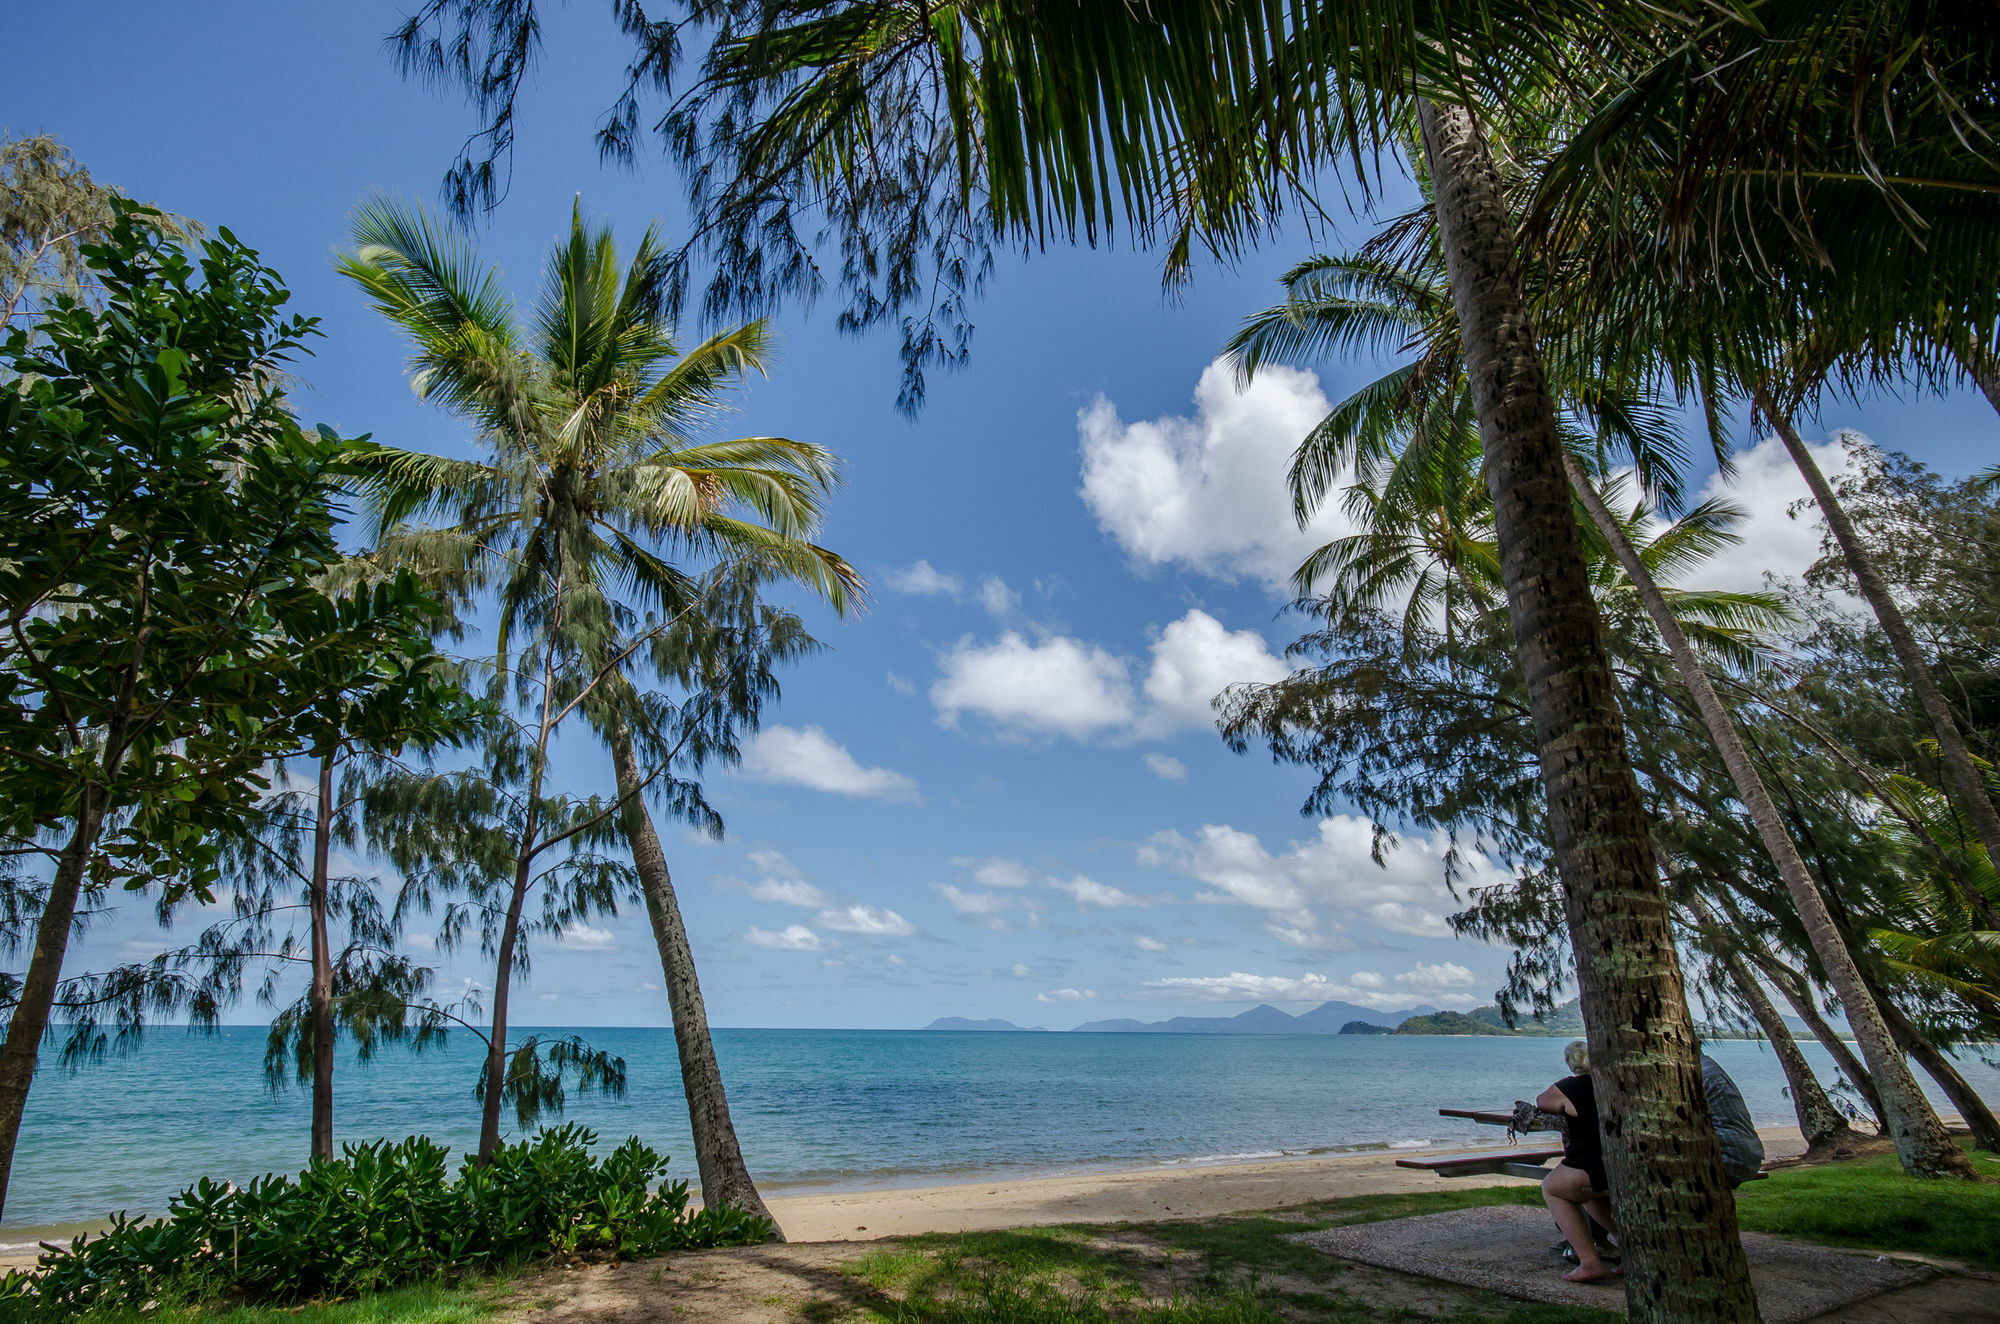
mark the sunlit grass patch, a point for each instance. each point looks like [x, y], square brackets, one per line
[409, 1305]
[1869, 1202]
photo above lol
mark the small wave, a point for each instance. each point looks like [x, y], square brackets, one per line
[1411, 1144]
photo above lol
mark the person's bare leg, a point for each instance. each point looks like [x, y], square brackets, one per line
[1564, 1191]
[1600, 1210]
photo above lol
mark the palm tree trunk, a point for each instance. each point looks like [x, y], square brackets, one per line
[725, 1178]
[30, 1021]
[1972, 1109]
[1820, 1122]
[1790, 983]
[1968, 788]
[1979, 366]
[1684, 1257]
[503, 980]
[319, 998]
[1924, 1146]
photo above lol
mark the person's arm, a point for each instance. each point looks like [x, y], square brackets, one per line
[1553, 1100]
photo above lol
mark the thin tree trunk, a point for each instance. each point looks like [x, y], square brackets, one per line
[1684, 1257]
[1820, 1121]
[725, 1178]
[319, 998]
[1924, 1146]
[30, 1021]
[1972, 1109]
[1968, 788]
[1791, 984]
[503, 980]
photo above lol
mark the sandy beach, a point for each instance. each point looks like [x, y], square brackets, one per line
[1120, 1197]
[1105, 1197]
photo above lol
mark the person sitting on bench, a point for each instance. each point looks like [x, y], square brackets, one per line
[1576, 1189]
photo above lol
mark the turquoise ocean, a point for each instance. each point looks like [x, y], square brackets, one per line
[820, 1110]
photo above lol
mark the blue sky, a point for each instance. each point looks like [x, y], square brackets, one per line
[997, 793]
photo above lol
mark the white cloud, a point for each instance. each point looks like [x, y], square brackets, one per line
[1237, 985]
[791, 938]
[1366, 989]
[1166, 767]
[1766, 486]
[1332, 870]
[996, 597]
[1060, 686]
[1091, 894]
[1209, 492]
[975, 904]
[1146, 943]
[901, 684]
[898, 961]
[1433, 978]
[1308, 940]
[1067, 995]
[789, 892]
[813, 759]
[870, 920]
[1195, 659]
[1019, 971]
[579, 936]
[774, 862]
[922, 579]
[996, 871]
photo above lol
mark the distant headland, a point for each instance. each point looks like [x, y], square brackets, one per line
[1327, 1018]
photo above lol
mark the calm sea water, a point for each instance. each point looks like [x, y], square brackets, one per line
[819, 1109]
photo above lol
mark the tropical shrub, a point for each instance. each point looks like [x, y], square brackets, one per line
[383, 1215]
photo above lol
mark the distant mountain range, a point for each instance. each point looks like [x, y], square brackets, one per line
[1565, 1021]
[1327, 1018]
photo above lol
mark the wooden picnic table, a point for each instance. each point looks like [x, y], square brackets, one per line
[1528, 1163]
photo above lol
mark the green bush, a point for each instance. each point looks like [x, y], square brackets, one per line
[384, 1215]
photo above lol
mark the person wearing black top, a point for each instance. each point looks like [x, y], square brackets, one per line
[1576, 1189]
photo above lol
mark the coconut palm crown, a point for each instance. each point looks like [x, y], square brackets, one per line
[589, 414]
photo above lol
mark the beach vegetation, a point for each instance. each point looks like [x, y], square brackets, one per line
[383, 1215]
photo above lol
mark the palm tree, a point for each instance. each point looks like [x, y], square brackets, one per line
[591, 477]
[1418, 406]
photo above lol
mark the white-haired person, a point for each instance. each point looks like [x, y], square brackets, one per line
[1577, 1189]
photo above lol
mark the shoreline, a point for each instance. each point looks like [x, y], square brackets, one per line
[1114, 1195]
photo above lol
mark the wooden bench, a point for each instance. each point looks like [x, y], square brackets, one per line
[1506, 1162]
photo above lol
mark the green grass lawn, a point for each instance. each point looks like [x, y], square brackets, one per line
[1870, 1203]
[1245, 1269]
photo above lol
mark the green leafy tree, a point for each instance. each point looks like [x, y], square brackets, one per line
[594, 482]
[165, 521]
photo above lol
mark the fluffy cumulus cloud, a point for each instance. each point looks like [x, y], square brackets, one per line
[789, 892]
[868, 920]
[1195, 659]
[1146, 942]
[1003, 912]
[1331, 871]
[1067, 995]
[1166, 767]
[1208, 492]
[996, 597]
[1767, 487]
[1093, 895]
[1366, 988]
[1056, 685]
[809, 757]
[791, 938]
[995, 871]
[582, 938]
[922, 579]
